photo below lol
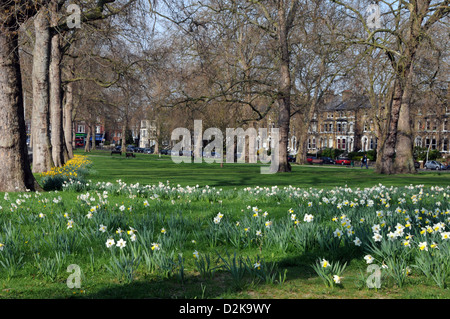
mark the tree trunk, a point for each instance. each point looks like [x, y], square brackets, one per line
[67, 115]
[56, 102]
[56, 111]
[303, 132]
[404, 159]
[15, 171]
[284, 100]
[386, 158]
[87, 147]
[42, 159]
[156, 150]
[124, 136]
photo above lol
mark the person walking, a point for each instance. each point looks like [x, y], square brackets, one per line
[364, 161]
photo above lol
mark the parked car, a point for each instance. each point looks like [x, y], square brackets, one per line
[314, 160]
[343, 161]
[435, 165]
[164, 152]
[328, 160]
[139, 150]
[291, 158]
[147, 151]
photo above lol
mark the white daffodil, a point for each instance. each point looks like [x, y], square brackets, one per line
[369, 259]
[337, 279]
[121, 243]
[110, 242]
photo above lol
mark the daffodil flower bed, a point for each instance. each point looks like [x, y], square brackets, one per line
[124, 233]
[73, 170]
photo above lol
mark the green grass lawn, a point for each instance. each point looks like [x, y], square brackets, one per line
[151, 169]
[38, 248]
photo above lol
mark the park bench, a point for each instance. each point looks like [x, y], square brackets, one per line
[130, 155]
[116, 152]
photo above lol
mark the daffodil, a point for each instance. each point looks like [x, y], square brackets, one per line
[308, 218]
[369, 259]
[110, 242]
[324, 263]
[337, 279]
[377, 237]
[121, 243]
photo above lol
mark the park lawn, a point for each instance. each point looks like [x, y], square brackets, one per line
[233, 190]
[152, 169]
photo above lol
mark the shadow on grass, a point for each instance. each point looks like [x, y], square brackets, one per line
[219, 286]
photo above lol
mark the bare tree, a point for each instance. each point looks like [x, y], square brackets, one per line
[407, 26]
[15, 171]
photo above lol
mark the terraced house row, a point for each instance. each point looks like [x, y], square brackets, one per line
[346, 122]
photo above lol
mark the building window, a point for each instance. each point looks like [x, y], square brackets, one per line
[339, 128]
[373, 143]
[445, 125]
[445, 145]
[98, 129]
[366, 126]
[432, 141]
[312, 143]
[364, 142]
[81, 129]
[341, 143]
[418, 141]
[428, 125]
